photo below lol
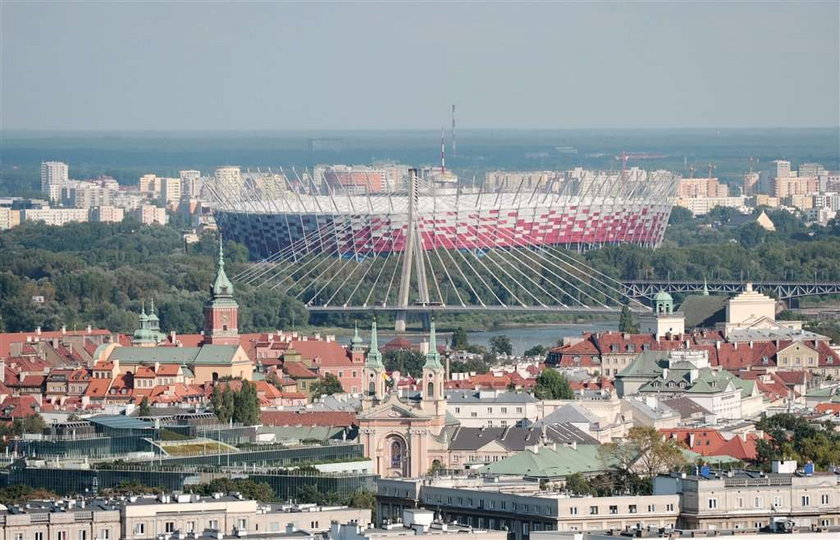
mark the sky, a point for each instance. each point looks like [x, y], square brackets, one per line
[298, 66]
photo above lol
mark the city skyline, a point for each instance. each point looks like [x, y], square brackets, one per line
[275, 66]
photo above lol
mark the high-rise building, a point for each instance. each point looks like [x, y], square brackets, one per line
[107, 214]
[150, 185]
[54, 176]
[170, 191]
[751, 183]
[229, 182]
[190, 183]
[811, 169]
[782, 168]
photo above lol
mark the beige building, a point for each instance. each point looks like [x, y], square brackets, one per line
[701, 187]
[170, 192]
[9, 218]
[55, 216]
[150, 215]
[750, 500]
[520, 506]
[66, 520]
[797, 356]
[229, 515]
[107, 214]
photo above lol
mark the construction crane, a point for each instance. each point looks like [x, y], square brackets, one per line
[691, 170]
[711, 169]
[752, 161]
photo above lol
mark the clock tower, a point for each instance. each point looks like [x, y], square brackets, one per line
[220, 314]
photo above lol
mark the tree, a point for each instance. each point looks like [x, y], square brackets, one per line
[406, 361]
[460, 342]
[144, 409]
[794, 437]
[217, 400]
[680, 215]
[644, 450]
[552, 385]
[501, 345]
[536, 350]
[247, 405]
[327, 385]
[577, 484]
[626, 322]
[20, 493]
[29, 424]
[258, 491]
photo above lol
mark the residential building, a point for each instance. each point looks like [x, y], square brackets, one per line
[61, 520]
[55, 216]
[9, 218]
[150, 215]
[190, 183]
[701, 187]
[747, 500]
[107, 214]
[54, 176]
[782, 168]
[414, 521]
[170, 192]
[700, 206]
[520, 506]
[492, 408]
[229, 181]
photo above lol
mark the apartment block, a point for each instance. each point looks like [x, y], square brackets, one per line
[150, 215]
[55, 216]
[107, 214]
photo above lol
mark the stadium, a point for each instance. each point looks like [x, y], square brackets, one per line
[577, 212]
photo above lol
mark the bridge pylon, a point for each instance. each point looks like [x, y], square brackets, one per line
[412, 259]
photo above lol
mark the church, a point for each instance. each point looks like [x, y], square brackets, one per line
[218, 355]
[404, 437]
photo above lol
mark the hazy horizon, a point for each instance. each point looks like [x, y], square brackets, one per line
[327, 67]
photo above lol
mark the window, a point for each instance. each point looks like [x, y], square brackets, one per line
[504, 423]
[824, 499]
[139, 528]
[313, 524]
[825, 522]
[62, 535]
[191, 526]
[613, 509]
[457, 409]
[473, 414]
[105, 534]
[519, 410]
[759, 502]
[740, 502]
[242, 524]
[777, 502]
[669, 507]
[712, 503]
[632, 508]
[39, 536]
[489, 410]
[213, 524]
[18, 536]
[504, 410]
[573, 510]
[651, 508]
[593, 510]
[806, 500]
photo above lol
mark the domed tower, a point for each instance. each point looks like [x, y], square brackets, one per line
[357, 348]
[373, 373]
[221, 313]
[434, 376]
[664, 321]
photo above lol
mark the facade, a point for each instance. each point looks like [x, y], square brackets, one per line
[633, 211]
[521, 507]
[68, 520]
[54, 176]
[748, 500]
[404, 438]
[701, 187]
[492, 408]
[221, 314]
[150, 215]
[170, 192]
[54, 216]
[700, 206]
[107, 214]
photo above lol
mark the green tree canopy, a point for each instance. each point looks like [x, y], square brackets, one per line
[326, 386]
[501, 345]
[552, 385]
[460, 342]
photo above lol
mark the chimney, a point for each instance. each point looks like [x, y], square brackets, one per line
[736, 345]
[173, 337]
[38, 331]
[63, 329]
[717, 345]
[89, 329]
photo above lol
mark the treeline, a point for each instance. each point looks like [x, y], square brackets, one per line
[101, 274]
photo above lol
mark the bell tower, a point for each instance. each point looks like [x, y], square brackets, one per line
[373, 373]
[357, 349]
[221, 313]
[433, 378]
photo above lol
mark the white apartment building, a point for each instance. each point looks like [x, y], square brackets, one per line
[170, 191]
[67, 520]
[190, 183]
[700, 206]
[54, 216]
[492, 408]
[107, 214]
[229, 181]
[150, 215]
[54, 176]
[87, 195]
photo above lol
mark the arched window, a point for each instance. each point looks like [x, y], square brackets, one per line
[371, 388]
[430, 390]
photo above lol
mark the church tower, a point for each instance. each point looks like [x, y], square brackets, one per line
[663, 321]
[433, 379]
[373, 373]
[357, 348]
[221, 313]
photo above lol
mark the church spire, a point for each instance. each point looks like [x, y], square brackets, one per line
[705, 288]
[374, 357]
[432, 357]
[222, 287]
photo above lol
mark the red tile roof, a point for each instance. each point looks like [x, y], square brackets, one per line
[709, 442]
[297, 370]
[7, 339]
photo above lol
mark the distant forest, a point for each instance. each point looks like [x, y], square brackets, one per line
[101, 274]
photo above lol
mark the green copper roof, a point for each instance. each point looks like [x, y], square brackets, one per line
[222, 287]
[356, 340]
[432, 357]
[549, 462]
[663, 296]
[374, 357]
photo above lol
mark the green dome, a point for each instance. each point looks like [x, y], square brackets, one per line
[662, 296]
